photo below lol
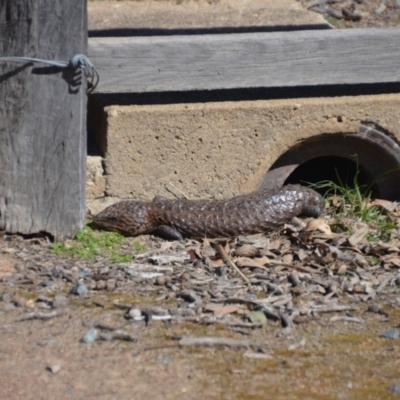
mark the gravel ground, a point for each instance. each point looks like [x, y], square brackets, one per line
[314, 308]
[357, 14]
[314, 316]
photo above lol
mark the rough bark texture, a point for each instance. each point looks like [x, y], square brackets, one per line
[42, 118]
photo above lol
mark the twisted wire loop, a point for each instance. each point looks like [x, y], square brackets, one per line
[77, 61]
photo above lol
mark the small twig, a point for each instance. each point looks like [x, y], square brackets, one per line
[180, 191]
[257, 356]
[287, 324]
[269, 313]
[39, 315]
[118, 334]
[207, 341]
[276, 300]
[228, 260]
[122, 306]
[290, 266]
[151, 348]
[230, 324]
[346, 318]
[333, 308]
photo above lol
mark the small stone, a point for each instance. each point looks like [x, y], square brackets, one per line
[6, 297]
[59, 301]
[100, 285]
[395, 388]
[75, 277]
[12, 279]
[79, 289]
[190, 296]
[257, 317]
[184, 277]
[30, 303]
[131, 272]
[171, 295]
[391, 334]
[110, 285]
[380, 9]
[221, 271]
[85, 271]
[160, 280]
[90, 336]
[91, 285]
[54, 368]
[164, 360]
[135, 314]
[57, 271]
[251, 296]
[6, 307]
[374, 308]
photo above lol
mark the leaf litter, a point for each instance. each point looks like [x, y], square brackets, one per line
[287, 277]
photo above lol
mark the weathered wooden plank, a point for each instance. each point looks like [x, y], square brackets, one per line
[42, 118]
[251, 60]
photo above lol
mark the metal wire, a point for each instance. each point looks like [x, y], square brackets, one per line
[78, 61]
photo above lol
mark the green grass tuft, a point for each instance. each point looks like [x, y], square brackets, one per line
[90, 243]
[350, 204]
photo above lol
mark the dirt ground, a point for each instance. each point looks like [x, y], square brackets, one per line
[325, 358]
[334, 355]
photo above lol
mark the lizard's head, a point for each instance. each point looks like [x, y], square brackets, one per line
[130, 218]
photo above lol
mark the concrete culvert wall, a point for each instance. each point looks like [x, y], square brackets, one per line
[223, 149]
[369, 158]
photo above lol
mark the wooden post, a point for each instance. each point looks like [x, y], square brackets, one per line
[42, 118]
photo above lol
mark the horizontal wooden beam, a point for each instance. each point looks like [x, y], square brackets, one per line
[249, 60]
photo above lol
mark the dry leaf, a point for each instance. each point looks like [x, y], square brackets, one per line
[318, 224]
[287, 258]
[336, 201]
[206, 250]
[274, 245]
[393, 261]
[218, 263]
[386, 205]
[244, 262]
[219, 309]
[358, 235]
[342, 269]
[246, 250]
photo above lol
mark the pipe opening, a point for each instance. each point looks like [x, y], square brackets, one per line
[341, 171]
[370, 158]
